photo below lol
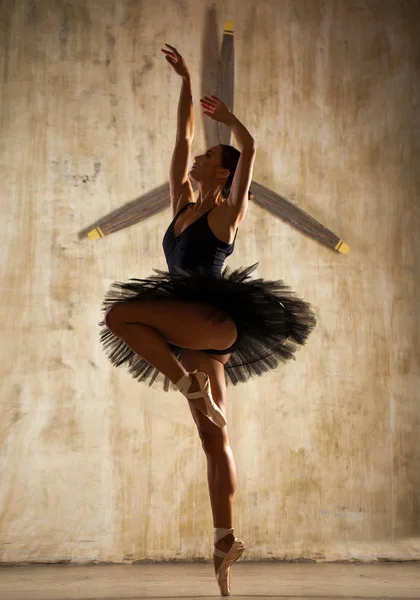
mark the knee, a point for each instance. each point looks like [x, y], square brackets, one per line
[111, 317]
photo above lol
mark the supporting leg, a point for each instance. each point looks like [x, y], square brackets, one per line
[222, 482]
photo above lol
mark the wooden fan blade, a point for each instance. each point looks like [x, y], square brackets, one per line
[298, 218]
[131, 213]
[226, 80]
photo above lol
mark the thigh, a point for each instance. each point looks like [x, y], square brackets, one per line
[193, 325]
[213, 366]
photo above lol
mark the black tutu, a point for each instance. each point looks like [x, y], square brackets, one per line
[271, 321]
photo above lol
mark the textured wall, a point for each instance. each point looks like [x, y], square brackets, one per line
[95, 466]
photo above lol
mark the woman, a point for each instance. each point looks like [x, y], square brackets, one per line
[199, 327]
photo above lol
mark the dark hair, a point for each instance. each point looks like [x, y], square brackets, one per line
[230, 159]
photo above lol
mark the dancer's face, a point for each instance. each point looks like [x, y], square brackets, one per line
[207, 167]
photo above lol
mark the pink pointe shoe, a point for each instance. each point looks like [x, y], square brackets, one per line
[223, 575]
[213, 412]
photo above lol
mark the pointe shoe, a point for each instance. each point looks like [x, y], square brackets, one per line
[223, 575]
[213, 412]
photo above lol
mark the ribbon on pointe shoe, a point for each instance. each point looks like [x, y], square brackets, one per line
[212, 411]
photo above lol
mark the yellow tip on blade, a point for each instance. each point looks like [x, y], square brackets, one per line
[229, 27]
[95, 234]
[342, 247]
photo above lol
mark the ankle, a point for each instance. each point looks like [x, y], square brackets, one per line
[221, 532]
[194, 386]
[184, 383]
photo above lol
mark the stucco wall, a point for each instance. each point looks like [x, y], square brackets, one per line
[95, 466]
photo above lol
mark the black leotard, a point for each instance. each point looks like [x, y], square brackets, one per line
[196, 246]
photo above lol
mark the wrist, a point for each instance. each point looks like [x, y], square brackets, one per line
[230, 120]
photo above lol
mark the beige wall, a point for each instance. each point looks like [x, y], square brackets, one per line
[95, 466]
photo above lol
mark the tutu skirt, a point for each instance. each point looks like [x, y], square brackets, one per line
[271, 321]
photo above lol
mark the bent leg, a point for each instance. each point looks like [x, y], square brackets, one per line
[147, 326]
[191, 325]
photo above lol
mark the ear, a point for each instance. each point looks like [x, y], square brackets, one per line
[224, 173]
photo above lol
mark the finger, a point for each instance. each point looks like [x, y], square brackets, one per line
[172, 48]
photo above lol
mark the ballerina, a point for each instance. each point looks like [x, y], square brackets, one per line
[200, 327]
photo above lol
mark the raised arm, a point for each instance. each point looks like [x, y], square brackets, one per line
[237, 203]
[185, 120]
[180, 186]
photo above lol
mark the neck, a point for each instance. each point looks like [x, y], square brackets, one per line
[208, 199]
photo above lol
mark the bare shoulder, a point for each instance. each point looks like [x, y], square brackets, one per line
[184, 197]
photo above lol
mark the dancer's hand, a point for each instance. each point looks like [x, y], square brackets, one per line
[176, 61]
[216, 109]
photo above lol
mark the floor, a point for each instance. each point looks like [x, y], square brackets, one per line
[299, 581]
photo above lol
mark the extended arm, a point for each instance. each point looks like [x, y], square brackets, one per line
[185, 127]
[237, 203]
[241, 133]
[180, 186]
